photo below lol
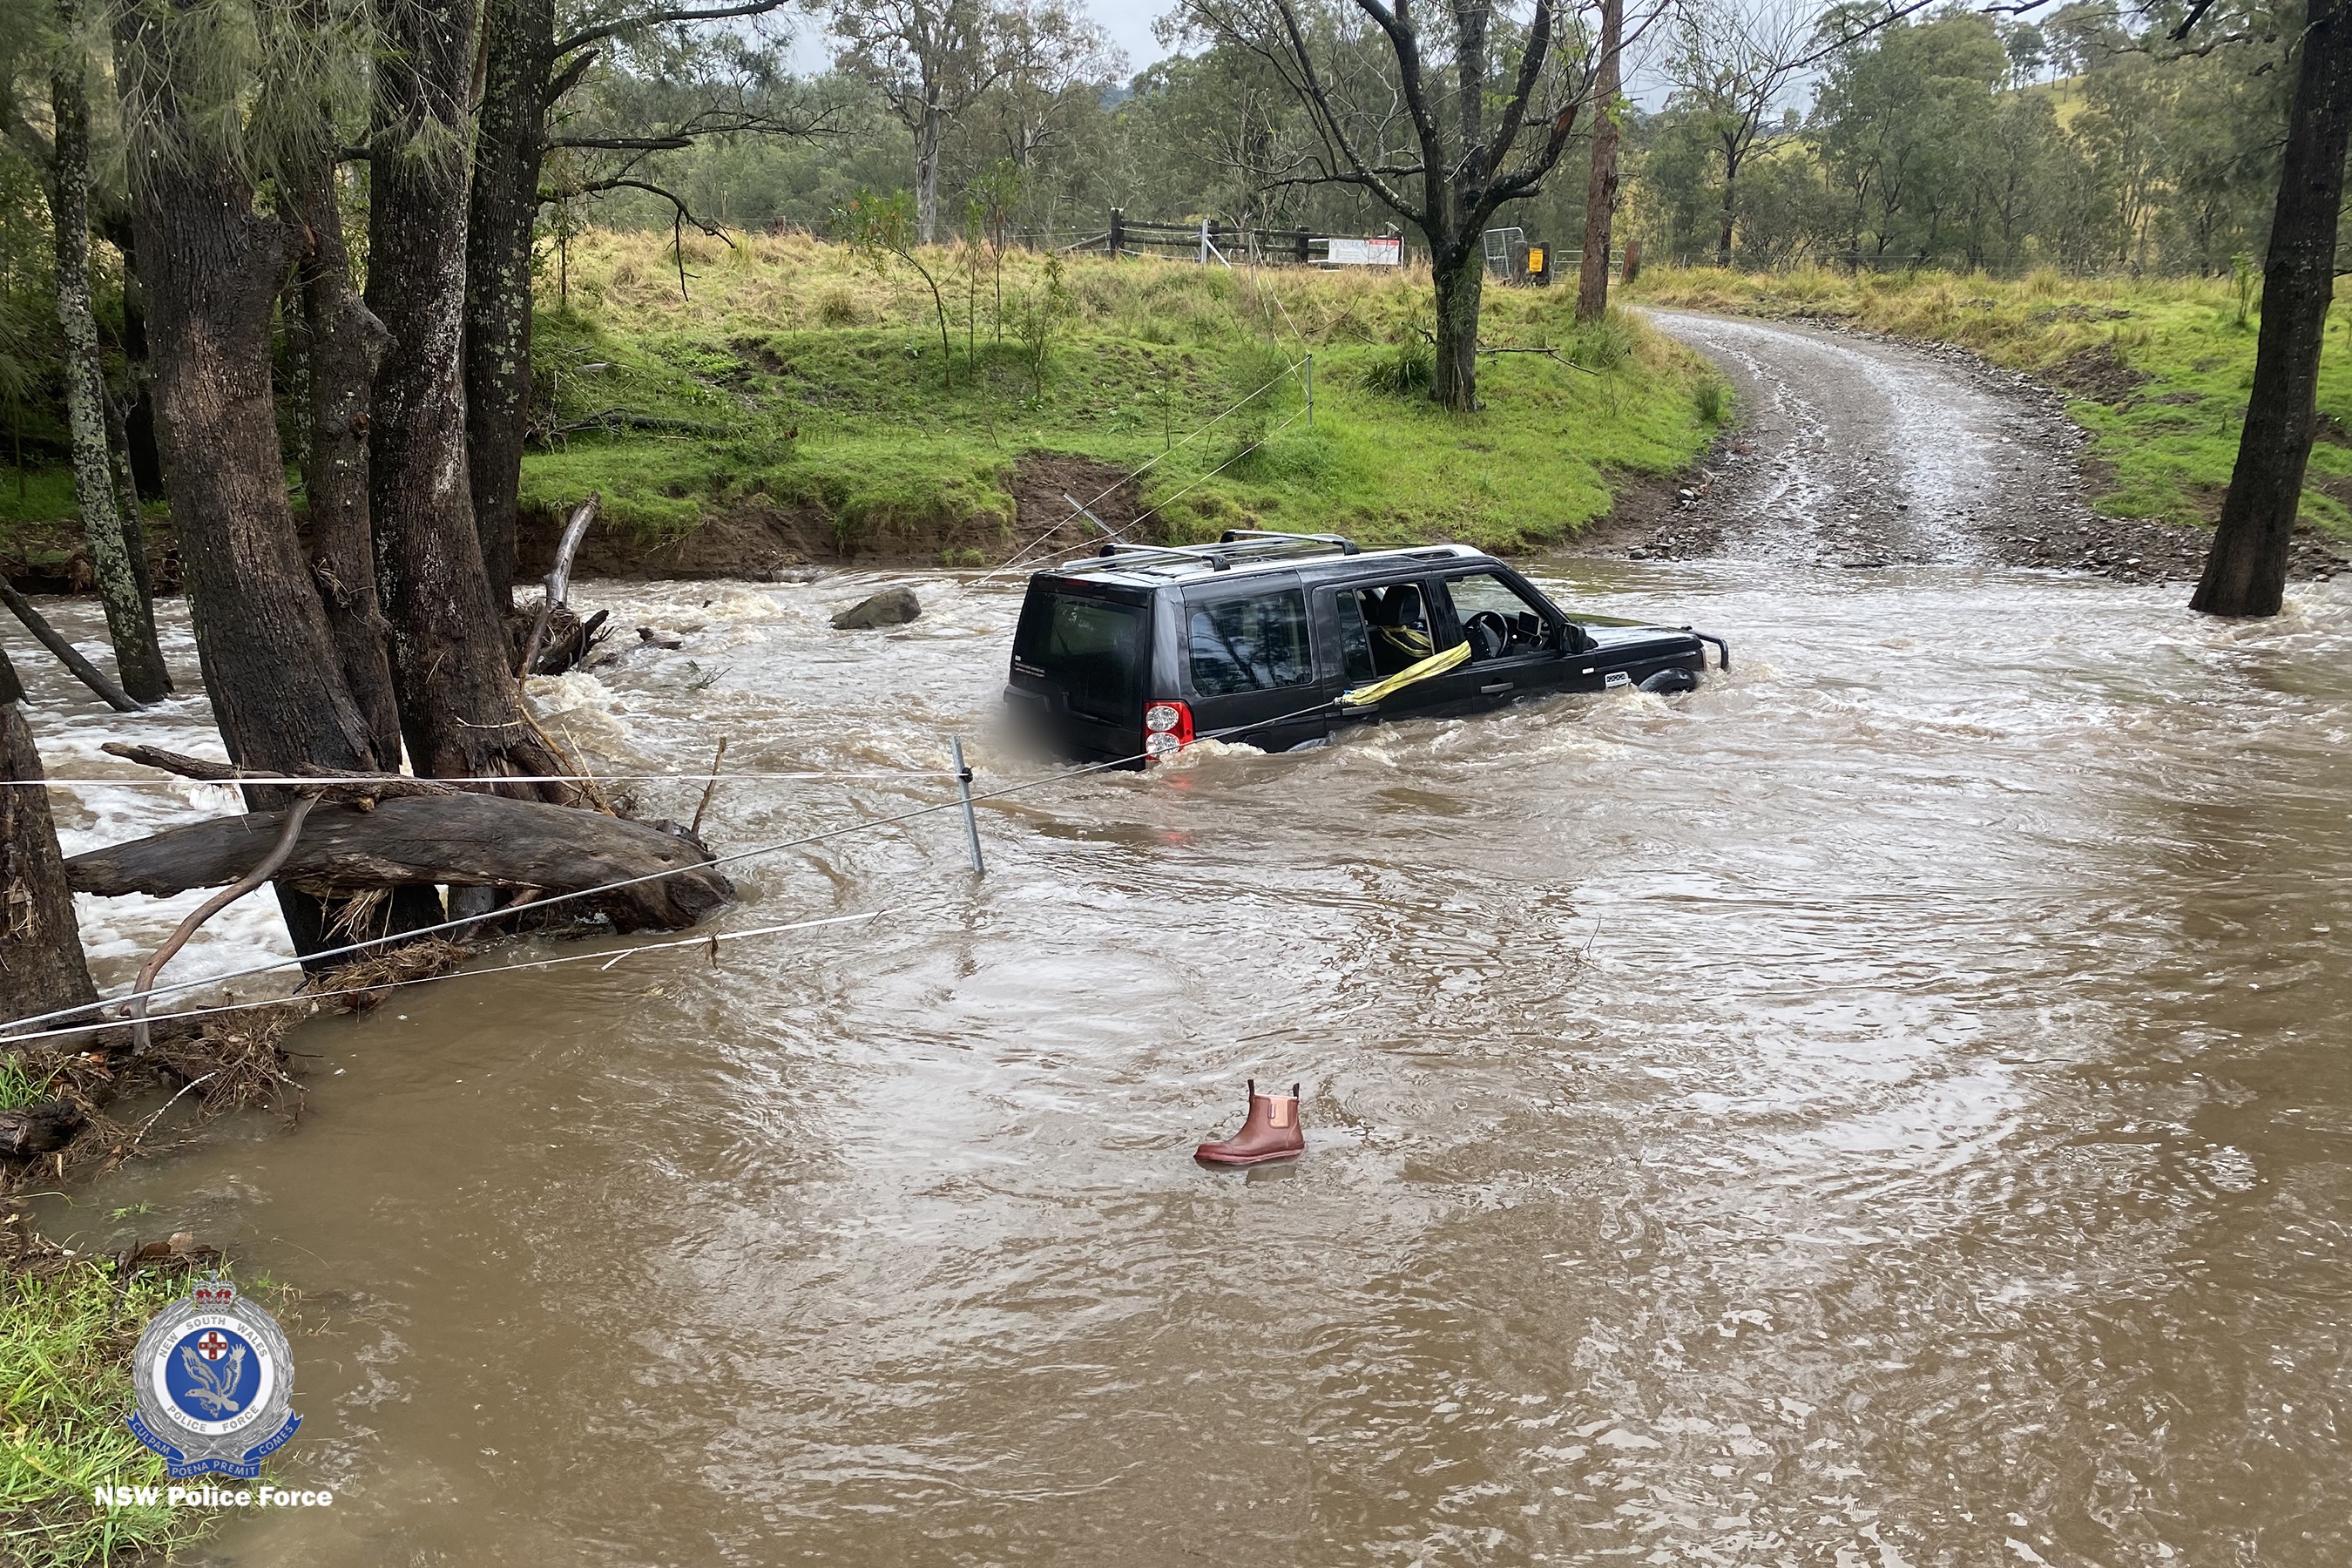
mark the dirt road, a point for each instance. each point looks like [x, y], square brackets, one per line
[1853, 451]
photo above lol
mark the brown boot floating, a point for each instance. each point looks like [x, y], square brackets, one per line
[1272, 1133]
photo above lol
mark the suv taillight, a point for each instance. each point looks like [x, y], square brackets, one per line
[1167, 729]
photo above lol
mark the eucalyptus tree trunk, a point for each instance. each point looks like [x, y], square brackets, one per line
[929, 126]
[2246, 572]
[1600, 189]
[211, 265]
[129, 619]
[461, 709]
[346, 343]
[41, 964]
[1730, 211]
[519, 51]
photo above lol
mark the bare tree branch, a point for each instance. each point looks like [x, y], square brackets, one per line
[582, 40]
[684, 212]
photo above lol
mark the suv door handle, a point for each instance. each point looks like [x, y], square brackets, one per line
[1500, 686]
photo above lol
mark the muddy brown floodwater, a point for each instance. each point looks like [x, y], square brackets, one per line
[1890, 1107]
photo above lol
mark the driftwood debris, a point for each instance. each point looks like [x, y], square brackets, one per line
[362, 791]
[289, 830]
[573, 638]
[463, 839]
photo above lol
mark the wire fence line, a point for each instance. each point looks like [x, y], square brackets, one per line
[12, 1033]
[335, 781]
[16, 1032]
[610, 956]
[1024, 553]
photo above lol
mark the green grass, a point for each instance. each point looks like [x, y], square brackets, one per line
[66, 1340]
[2167, 425]
[35, 495]
[797, 375]
[21, 1084]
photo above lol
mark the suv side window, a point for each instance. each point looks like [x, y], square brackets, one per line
[1500, 621]
[1249, 645]
[1396, 628]
[1355, 636]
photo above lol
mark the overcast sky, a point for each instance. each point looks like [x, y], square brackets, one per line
[1128, 23]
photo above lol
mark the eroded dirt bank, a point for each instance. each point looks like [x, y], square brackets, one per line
[1854, 450]
[760, 540]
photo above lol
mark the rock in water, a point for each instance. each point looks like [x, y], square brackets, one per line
[890, 607]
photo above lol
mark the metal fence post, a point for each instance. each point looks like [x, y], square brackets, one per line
[971, 822]
[1311, 392]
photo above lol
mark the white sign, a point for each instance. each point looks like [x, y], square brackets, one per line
[1366, 252]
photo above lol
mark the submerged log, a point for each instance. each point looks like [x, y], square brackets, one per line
[464, 840]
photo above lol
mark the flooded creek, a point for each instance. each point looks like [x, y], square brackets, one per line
[1890, 1103]
[1889, 1108]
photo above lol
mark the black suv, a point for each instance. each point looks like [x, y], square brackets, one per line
[1258, 638]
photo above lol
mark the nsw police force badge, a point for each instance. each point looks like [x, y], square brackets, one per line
[216, 1384]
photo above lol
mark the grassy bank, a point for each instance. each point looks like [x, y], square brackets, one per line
[794, 382]
[2159, 370]
[796, 376]
[67, 1330]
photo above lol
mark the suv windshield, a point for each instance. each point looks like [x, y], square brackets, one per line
[1093, 649]
[1497, 618]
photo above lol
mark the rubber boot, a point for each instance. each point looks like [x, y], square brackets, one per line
[1272, 1133]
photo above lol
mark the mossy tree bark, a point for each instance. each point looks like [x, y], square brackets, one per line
[461, 709]
[41, 964]
[129, 617]
[2245, 574]
[1460, 276]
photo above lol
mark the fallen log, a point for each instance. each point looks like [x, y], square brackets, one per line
[39, 1128]
[67, 655]
[464, 840]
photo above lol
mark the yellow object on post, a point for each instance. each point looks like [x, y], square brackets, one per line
[1435, 664]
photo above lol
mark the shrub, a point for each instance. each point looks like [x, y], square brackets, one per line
[1404, 370]
[1250, 366]
[1603, 344]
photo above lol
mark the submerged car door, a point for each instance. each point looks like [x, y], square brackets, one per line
[1250, 669]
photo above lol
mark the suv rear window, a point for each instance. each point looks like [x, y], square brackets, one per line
[1092, 649]
[1249, 645]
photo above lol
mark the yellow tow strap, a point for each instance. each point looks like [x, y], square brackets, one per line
[1435, 664]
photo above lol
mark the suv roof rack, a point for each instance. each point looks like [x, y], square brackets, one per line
[1240, 545]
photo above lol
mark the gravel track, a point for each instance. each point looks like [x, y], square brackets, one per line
[1852, 450]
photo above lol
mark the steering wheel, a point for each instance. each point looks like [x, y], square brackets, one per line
[1489, 633]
